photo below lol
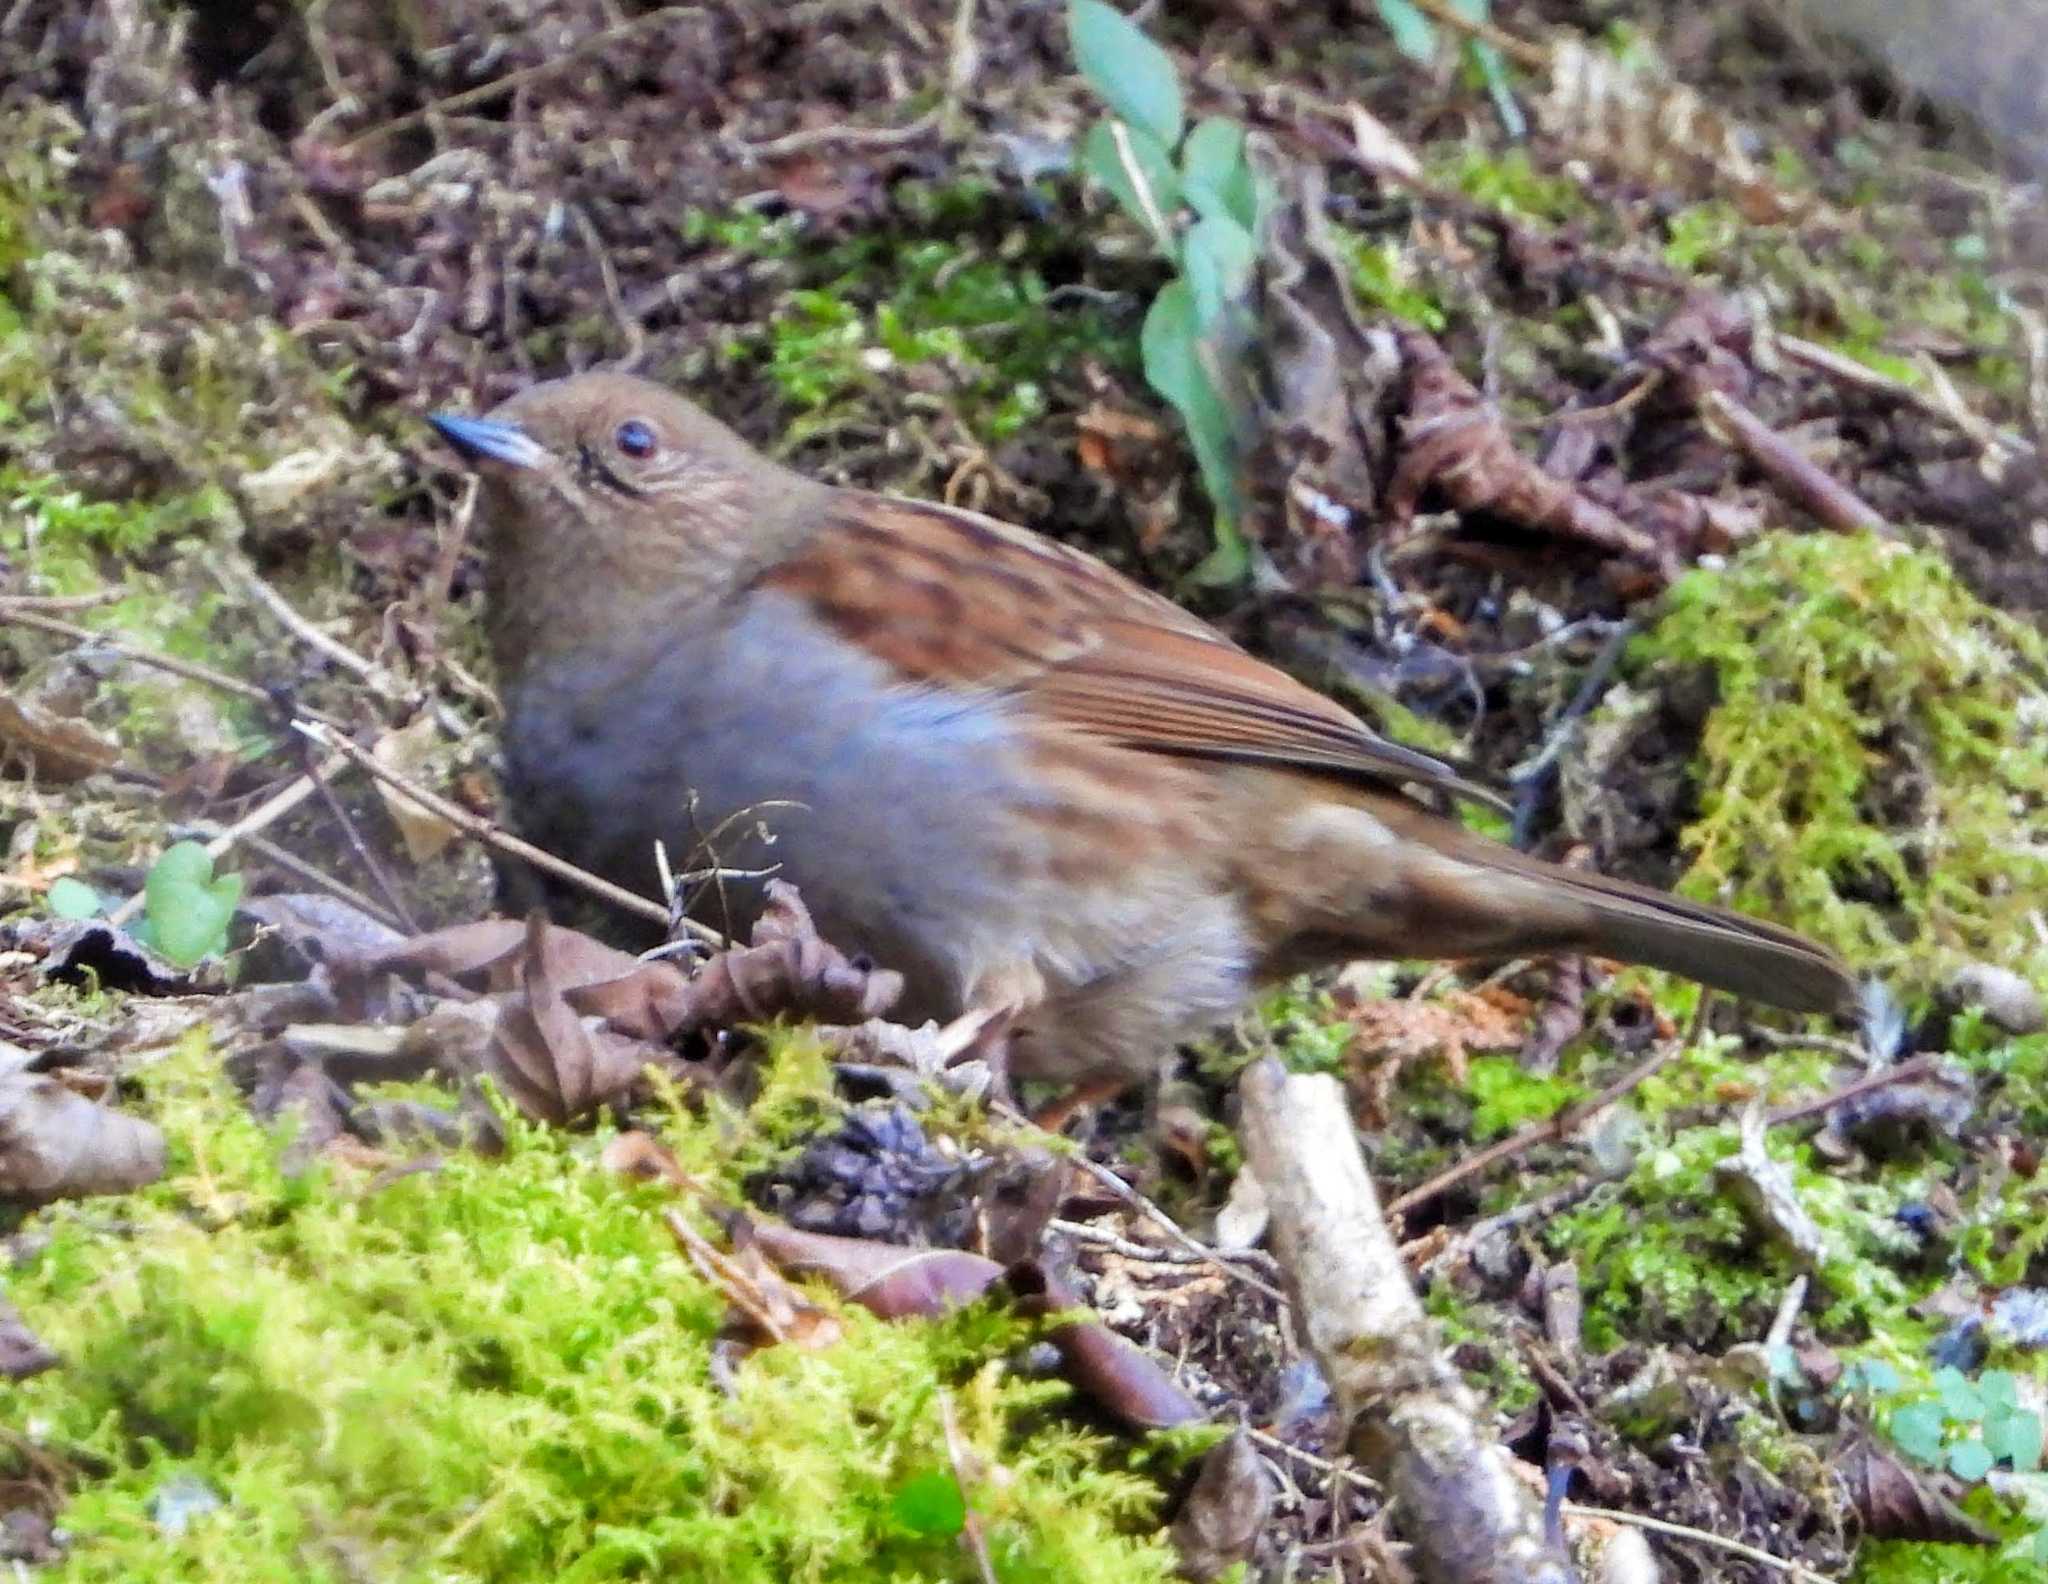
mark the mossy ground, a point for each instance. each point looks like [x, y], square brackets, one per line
[504, 1369]
[1875, 765]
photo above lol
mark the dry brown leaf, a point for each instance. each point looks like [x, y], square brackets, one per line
[61, 749]
[1392, 1034]
[767, 1309]
[552, 1062]
[1454, 442]
[56, 1144]
[895, 1283]
[1896, 1503]
[1218, 1525]
[322, 926]
[408, 752]
[1114, 1372]
[790, 970]
[22, 1352]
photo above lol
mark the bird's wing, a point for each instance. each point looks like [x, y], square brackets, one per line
[952, 598]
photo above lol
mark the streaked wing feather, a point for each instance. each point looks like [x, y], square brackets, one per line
[952, 598]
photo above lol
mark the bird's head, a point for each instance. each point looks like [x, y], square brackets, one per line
[606, 495]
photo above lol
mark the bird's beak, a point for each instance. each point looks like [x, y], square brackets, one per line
[487, 440]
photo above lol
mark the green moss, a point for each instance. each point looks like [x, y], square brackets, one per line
[501, 1370]
[1667, 1253]
[865, 311]
[1505, 1096]
[1664, 1255]
[1383, 274]
[1875, 770]
[1511, 183]
[1702, 235]
[1503, 1377]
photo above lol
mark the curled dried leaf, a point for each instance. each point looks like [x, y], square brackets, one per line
[553, 1063]
[1454, 442]
[790, 971]
[1125, 1380]
[1896, 1503]
[895, 1283]
[56, 1144]
[1218, 1525]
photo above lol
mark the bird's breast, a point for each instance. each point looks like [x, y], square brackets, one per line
[763, 741]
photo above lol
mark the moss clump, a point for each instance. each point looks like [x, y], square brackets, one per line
[1391, 278]
[963, 319]
[1511, 183]
[502, 1371]
[1875, 770]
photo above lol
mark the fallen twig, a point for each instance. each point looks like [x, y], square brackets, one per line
[842, 133]
[356, 844]
[1848, 1050]
[1231, 1260]
[1407, 1414]
[14, 613]
[1676, 1531]
[237, 577]
[1547, 1131]
[1533, 775]
[1806, 481]
[1846, 370]
[480, 829]
[63, 602]
[319, 878]
[1905, 1072]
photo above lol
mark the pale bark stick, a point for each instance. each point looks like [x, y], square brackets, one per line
[1411, 1422]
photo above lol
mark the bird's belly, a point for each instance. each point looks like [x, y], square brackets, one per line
[767, 743]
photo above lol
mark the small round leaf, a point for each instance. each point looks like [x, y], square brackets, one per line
[72, 899]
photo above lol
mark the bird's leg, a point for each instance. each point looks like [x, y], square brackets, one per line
[1056, 1113]
[1007, 993]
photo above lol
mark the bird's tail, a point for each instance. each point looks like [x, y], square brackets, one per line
[1400, 882]
[1729, 951]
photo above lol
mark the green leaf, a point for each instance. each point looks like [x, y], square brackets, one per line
[1960, 1400]
[1413, 35]
[1873, 1377]
[1999, 1389]
[1216, 256]
[1969, 1460]
[1137, 170]
[1216, 176]
[1492, 70]
[931, 1504]
[187, 908]
[72, 899]
[2015, 1435]
[1172, 347]
[1917, 1429]
[1133, 75]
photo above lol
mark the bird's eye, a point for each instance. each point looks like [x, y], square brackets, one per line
[634, 439]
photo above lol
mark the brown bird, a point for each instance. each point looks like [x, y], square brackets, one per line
[986, 759]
